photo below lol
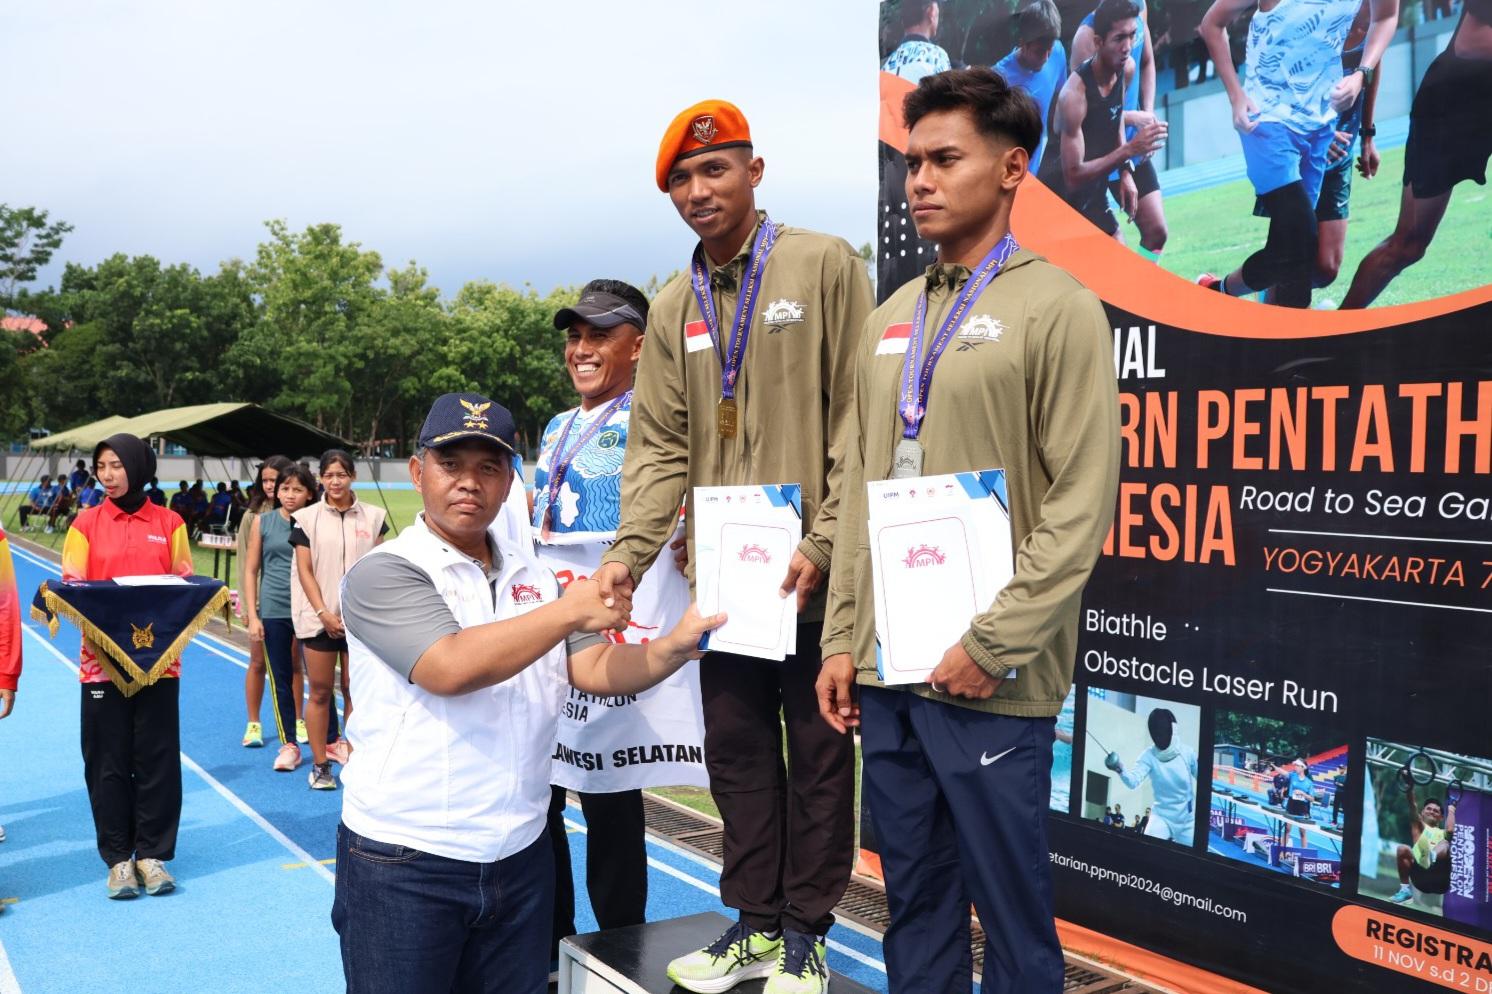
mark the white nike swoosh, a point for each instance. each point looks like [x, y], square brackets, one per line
[985, 759]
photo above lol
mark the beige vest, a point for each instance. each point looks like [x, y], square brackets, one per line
[338, 539]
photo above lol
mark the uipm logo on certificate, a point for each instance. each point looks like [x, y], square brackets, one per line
[744, 538]
[940, 551]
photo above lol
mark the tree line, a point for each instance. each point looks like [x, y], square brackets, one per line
[313, 325]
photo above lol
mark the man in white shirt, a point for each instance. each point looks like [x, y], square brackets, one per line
[462, 646]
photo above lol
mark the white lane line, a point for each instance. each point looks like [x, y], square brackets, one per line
[228, 795]
[678, 874]
[8, 982]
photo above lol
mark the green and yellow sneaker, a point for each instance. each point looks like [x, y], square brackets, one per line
[800, 966]
[741, 953]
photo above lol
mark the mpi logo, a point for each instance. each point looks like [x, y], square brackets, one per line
[526, 593]
[921, 556]
[754, 554]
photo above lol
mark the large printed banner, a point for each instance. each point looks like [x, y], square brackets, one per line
[1275, 769]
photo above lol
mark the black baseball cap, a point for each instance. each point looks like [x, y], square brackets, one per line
[455, 417]
[606, 304]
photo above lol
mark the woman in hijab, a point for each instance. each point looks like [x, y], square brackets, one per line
[131, 745]
[1171, 768]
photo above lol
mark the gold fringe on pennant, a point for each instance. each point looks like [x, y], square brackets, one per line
[111, 654]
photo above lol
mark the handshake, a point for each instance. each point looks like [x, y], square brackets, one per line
[599, 604]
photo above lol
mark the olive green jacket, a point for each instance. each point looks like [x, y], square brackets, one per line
[793, 393]
[1026, 385]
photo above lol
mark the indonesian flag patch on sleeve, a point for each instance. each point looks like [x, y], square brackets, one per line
[697, 336]
[894, 339]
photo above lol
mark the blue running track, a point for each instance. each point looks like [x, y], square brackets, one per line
[254, 863]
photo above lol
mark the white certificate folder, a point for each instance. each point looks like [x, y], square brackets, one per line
[744, 538]
[940, 551]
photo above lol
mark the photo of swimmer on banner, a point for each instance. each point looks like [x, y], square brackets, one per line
[1140, 765]
[1278, 797]
[1427, 832]
[1298, 154]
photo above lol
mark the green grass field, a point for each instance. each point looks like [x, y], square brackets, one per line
[1214, 230]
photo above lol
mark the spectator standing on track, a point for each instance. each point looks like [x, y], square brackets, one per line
[268, 566]
[131, 745]
[10, 637]
[329, 535]
[262, 499]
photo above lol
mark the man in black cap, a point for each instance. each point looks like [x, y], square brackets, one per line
[461, 643]
[577, 504]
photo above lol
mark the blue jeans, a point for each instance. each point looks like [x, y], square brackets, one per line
[958, 799]
[412, 922]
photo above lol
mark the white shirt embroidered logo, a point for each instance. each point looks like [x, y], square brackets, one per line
[985, 759]
[524, 593]
[980, 328]
[156, 539]
[783, 312]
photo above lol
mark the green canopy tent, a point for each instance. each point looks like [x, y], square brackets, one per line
[221, 430]
[224, 431]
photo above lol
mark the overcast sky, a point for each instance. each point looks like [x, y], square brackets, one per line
[486, 139]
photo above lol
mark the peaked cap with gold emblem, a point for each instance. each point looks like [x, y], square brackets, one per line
[455, 417]
[708, 125]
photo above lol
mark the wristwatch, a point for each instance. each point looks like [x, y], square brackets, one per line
[1367, 131]
[1368, 72]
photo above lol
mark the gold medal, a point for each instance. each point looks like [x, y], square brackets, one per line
[725, 417]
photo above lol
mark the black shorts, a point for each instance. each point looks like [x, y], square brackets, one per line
[1450, 132]
[1298, 807]
[1435, 880]
[1093, 204]
[1147, 181]
[322, 642]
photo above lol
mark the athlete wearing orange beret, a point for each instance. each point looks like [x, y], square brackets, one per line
[746, 378]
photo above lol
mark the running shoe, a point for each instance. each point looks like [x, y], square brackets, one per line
[253, 735]
[153, 874]
[288, 759]
[1403, 895]
[339, 751]
[800, 966]
[123, 884]
[301, 735]
[1208, 281]
[741, 953]
[321, 777]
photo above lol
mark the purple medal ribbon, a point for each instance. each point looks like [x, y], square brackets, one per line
[915, 387]
[562, 460]
[730, 359]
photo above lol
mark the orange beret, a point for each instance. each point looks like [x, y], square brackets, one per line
[708, 125]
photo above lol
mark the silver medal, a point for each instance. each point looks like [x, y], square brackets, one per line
[906, 461]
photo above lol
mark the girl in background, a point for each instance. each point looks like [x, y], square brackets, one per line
[266, 596]
[329, 536]
[261, 498]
